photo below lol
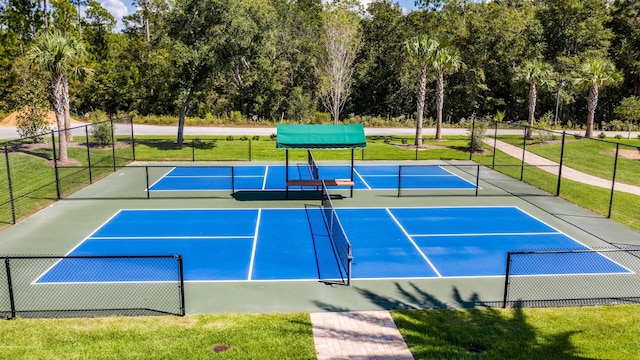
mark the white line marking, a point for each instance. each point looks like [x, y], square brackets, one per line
[488, 234]
[255, 244]
[361, 178]
[264, 181]
[414, 243]
[162, 177]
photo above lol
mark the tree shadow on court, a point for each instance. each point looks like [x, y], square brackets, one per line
[436, 330]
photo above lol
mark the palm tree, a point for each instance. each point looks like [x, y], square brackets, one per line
[444, 59]
[419, 49]
[58, 55]
[537, 74]
[594, 74]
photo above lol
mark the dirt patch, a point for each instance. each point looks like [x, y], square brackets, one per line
[625, 154]
[423, 147]
[11, 120]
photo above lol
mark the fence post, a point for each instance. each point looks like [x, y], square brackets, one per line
[495, 141]
[12, 301]
[564, 134]
[181, 275]
[10, 184]
[506, 281]
[55, 164]
[473, 137]
[249, 149]
[133, 139]
[193, 150]
[416, 153]
[86, 135]
[477, 179]
[146, 172]
[113, 143]
[613, 179]
[524, 151]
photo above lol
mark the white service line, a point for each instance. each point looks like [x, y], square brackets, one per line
[414, 243]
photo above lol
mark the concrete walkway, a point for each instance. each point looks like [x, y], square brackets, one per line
[365, 335]
[567, 173]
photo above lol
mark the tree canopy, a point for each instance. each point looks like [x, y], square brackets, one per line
[265, 58]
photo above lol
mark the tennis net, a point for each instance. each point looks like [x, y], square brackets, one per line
[337, 235]
[313, 167]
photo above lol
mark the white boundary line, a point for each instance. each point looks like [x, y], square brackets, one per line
[255, 245]
[361, 178]
[264, 180]
[414, 243]
[162, 177]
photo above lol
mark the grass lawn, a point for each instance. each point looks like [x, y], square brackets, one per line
[553, 333]
[608, 332]
[249, 336]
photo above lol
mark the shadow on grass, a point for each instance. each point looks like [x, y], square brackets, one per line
[469, 331]
[164, 144]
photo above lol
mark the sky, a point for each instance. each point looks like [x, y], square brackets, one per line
[120, 8]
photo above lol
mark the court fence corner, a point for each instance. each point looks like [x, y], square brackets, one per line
[91, 286]
[586, 277]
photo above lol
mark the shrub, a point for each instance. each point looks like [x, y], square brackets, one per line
[543, 123]
[602, 135]
[273, 137]
[244, 138]
[618, 136]
[236, 117]
[255, 138]
[476, 132]
[101, 133]
[230, 138]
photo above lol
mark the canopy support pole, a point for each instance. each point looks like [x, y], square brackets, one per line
[352, 156]
[287, 173]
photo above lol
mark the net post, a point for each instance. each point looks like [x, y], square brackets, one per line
[506, 281]
[399, 178]
[233, 181]
[352, 166]
[349, 261]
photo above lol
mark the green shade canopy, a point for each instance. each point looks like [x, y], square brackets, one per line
[320, 136]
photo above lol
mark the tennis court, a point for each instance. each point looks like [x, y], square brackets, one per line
[261, 244]
[273, 177]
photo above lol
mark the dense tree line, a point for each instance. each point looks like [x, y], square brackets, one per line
[266, 57]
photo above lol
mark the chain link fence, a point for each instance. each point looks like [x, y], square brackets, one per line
[72, 286]
[572, 278]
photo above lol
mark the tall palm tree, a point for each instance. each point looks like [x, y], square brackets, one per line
[594, 74]
[419, 49]
[59, 55]
[444, 59]
[537, 74]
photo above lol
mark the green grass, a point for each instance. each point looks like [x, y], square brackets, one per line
[249, 336]
[588, 155]
[551, 333]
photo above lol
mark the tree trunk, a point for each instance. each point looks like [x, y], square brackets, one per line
[592, 103]
[67, 111]
[57, 101]
[533, 98]
[439, 105]
[183, 114]
[422, 89]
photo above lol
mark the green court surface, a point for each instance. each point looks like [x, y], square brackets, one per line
[59, 229]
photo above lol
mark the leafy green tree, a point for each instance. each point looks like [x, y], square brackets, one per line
[31, 120]
[59, 55]
[629, 111]
[65, 17]
[378, 77]
[537, 74]
[593, 75]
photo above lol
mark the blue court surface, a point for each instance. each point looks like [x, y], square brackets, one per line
[293, 244]
[265, 177]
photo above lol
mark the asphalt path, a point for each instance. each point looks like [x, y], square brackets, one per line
[140, 130]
